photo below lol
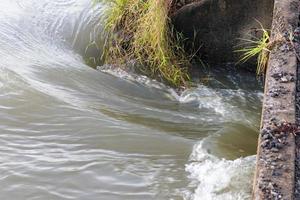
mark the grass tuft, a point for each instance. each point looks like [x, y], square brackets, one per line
[140, 31]
[257, 47]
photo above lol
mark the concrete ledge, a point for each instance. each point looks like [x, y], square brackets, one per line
[275, 168]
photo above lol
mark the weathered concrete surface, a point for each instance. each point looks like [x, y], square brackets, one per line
[297, 137]
[275, 169]
[219, 24]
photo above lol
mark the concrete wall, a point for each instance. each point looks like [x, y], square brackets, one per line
[220, 23]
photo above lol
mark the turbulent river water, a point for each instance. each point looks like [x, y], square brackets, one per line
[69, 131]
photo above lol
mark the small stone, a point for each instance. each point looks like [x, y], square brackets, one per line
[284, 80]
[272, 167]
[274, 149]
[265, 137]
[274, 94]
[279, 145]
[273, 144]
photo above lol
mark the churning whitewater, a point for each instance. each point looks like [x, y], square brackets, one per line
[69, 131]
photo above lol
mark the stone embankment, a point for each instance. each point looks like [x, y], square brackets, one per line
[277, 168]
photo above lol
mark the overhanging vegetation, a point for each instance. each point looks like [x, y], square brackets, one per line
[140, 31]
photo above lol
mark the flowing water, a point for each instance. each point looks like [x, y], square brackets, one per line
[68, 131]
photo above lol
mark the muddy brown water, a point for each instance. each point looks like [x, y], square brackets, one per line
[68, 131]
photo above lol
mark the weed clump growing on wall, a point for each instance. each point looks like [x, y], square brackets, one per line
[262, 46]
[257, 47]
[140, 31]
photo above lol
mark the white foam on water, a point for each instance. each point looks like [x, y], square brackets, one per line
[219, 104]
[219, 179]
[131, 76]
[205, 97]
[141, 79]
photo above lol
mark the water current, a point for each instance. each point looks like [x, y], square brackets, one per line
[68, 131]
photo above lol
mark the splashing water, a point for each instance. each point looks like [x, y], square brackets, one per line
[220, 179]
[72, 132]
